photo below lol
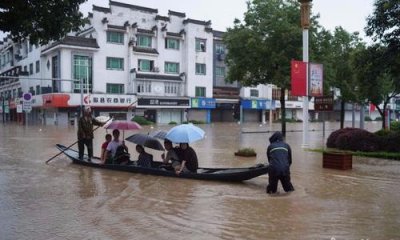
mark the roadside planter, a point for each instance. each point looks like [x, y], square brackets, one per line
[337, 160]
[246, 152]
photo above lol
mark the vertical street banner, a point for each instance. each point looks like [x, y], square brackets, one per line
[316, 80]
[298, 76]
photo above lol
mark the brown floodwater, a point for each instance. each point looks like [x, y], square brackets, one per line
[67, 201]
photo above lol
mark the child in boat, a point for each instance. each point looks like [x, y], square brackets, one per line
[108, 138]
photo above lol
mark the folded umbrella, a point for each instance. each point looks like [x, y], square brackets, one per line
[146, 141]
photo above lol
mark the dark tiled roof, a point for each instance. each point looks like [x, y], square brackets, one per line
[218, 34]
[115, 27]
[199, 22]
[172, 34]
[101, 9]
[158, 77]
[178, 14]
[145, 50]
[141, 30]
[75, 41]
[135, 7]
[163, 18]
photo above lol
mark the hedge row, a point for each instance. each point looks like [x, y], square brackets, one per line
[356, 139]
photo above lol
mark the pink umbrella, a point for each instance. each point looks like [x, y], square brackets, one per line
[123, 125]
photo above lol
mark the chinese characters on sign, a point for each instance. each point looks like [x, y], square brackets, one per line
[316, 80]
[323, 104]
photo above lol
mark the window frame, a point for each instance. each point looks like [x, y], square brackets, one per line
[219, 70]
[110, 63]
[200, 91]
[120, 38]
[110, 88]
[151, 65]
[166, 69]
[139, 41]
[199, 68]
[252, 91]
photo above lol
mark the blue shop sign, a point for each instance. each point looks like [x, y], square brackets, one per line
[258, 104]
[203, 103]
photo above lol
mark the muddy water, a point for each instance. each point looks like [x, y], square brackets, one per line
[65, 201]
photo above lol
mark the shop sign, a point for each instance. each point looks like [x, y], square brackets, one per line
[203, 103]
[258, 104]
[165, 102]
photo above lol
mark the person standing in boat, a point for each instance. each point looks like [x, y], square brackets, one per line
[85, 133]
[114, 145]
[188, 159]
[279, 156]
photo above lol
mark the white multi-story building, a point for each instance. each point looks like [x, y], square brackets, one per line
[126, 61]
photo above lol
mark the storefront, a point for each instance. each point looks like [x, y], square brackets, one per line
[163, 110]
[201, 109]
[255, 110]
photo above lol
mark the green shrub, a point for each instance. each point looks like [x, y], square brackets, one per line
[378, 119]
[246, 152]
[367, 118]
[194, 122]
[395, 126]
[172, 123]
[141, 120]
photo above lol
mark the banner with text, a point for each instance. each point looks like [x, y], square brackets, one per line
[298, 78]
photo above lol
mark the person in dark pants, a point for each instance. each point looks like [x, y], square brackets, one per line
[85, 133]
[280, 158]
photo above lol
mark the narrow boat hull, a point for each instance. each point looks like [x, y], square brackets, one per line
[214, 174]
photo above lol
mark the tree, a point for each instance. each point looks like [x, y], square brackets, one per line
[40, 21]
[261, 48]
[376, 82]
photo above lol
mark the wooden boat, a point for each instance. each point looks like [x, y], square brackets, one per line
[216, 174]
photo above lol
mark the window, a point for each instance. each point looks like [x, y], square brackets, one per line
[219, 48]
[144, 41]
[200, 69]
[171, 88]
[220, 71]
[171, 43]
[200, 91]
[25, 69]
[253, 93]
[37, 66]
[144, 87]
[145, 65]
[38, 89]
[171, 67]
[82, 69]
[30, 68]
[115, 88]
[200, 45]
[115, 63]
[115, 37]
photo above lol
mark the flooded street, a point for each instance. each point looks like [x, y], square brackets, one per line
[67, 201]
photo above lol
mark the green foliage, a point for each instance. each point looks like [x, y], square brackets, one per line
[395, 126]
[367, 118]
[141, 120]
[40, 21]
[194, 122]
[378, 119]
[172, 123]
[246, 152]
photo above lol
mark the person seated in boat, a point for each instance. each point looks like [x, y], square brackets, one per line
[103, 157]
[188, 159]
[117, 151]
[145, 159]
[171, 155]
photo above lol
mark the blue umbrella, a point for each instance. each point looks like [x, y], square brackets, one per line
[185, 133]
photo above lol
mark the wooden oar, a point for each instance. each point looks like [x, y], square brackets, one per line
[58, 154]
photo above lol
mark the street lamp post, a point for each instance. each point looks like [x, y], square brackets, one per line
[305, 10]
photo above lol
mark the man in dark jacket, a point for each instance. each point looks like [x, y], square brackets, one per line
[280, 158]
[85, 133]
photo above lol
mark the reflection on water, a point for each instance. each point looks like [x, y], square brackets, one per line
[66, 201]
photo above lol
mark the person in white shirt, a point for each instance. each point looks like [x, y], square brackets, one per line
[114, 144]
